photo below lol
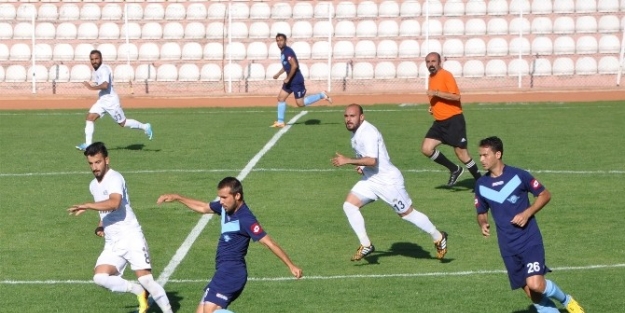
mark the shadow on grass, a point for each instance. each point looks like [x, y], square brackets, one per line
[407, 249]
[461, 185]
[174, 301]
[531, 309]
[134, 147]
[313, 122]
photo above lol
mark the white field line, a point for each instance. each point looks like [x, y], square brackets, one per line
[332, 277]
[181, 253]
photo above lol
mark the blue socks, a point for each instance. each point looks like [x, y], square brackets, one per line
[553, 291]
[281, 111]
[312, 99]
[546, 306]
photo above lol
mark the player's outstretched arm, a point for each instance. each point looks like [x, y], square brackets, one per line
[275, 248]
[193, 204]
[110, 204]
[340, 160]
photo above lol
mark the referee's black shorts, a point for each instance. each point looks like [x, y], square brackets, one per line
[452, 131]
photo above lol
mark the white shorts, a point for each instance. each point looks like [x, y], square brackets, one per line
[132, 249]
[394, 194]
[110, 106]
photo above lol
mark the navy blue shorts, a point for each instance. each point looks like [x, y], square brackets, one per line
[520, 266]
[224, 288]
[298, 89]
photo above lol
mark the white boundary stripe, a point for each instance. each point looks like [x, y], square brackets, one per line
[195, 233]
[332, 277]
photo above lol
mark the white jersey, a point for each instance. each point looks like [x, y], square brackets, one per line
[122, 222]
[104, 74]
[367, 141]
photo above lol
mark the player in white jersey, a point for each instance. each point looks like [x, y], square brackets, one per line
[108, 102]
[124, 242]
[380, 180]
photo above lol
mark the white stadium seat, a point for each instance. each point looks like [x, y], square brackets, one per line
[153, 11]
[131, 29]
[519, 25]
[281, 27]
[273, 69]
[7, 12]
[319, 71]
[188, 72]
[609, 44]
[149, 51]
[473, 68]
[586, 6]
[69, 12]
[432, 45]
[173, 30]
[453, 27]
[112, 11]
[194, 30]
[518, 67]
[45, 30]
[302, 29]
[215, 30]
[82, 51]
[237, 30]
[410, 28]
[322, 29]
[366, 28]
[564, 45]
[498, 7]
[363, 70]
[474, 47]
[586, 66]
[123, 73]
[210, 72]
[454, 67]
[409, 48]
[388, 28]
[608, 24]
[519, 6]
[301, 48]
[345, 28]
[145, 72]
[217, 11]
[26, 12]
[166, 73]
[497, 47]
[453, 48]
[586, 45]
[433, 27]
[303, 10]
[563, 67]
[541, 7]
[171, 51]
[66, 30]
[239, 10]
[152, 30]
[564, 25]
[542, 45]
[108, 50]
[586, 24]
[453, 8]
[423, 70]
[43, 52]
[540, 67]
[274, 52]
[281, 10]
[542, 25]
[497, 26]
[475, 7]
[367, 9]
[23, 30]
[87, 30]
[4, 52]
[384, 70]
[435, 8]
[519, 45]
[108, 30]
[254, 72]
[59, 73]
[607, 6]
[260, 10]
[622, 5]
[259, 30]
[387, 49]
[320, 50]
[213, 51]
[257, 50]
[15, 74]
[608, 65]
[407, 69]
[365, 49]
[191, 51]
[475, 26]
[563, 6]
[175, 12]
[20, 52]
[323, 10]
[343, 50]
[90, 12]
[135, 11]
[80, 73]
[196, 11]
[47, 12]
[62, 52]
[388, 8]
[345, 9]
[235, 51]
[127, 51]
[341, 70]
[496, 68]
[410, 8]
[233, 72]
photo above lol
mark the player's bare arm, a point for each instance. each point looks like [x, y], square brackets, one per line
[112, 203]
[278, 74]
[275, 248]
[102, 86]
[193, 204]
[482, 221]
[340, 160]
[540, 202]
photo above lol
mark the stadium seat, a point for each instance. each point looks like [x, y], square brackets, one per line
[237, 30]
[175, 12]
[127, 52]
[367, 9]
[519, 6]
[497, 26]
[432, 45]
[281, 27]
[343, 50]
[6, 31]
[196, 11]
[45, 30]
[435, 8]
[363, 70]
[153, 11]
[453, 8]
[191, 51]
[345, 9]
[341, 70]
[66, 30]
[384, 70]
[454, 67]
[170, 51]
[409, 48]
[152, 30]
[303, 10]
[108, 30]
[423, 70]
[43, 52]
[453, 27]
[366, 28]
[519, 25]
[166, 73]
[496, 68]
[586, 45]
[239, 10]
[474, 47]
[46, 12]
[475, 7]
[20, 52]
[235, 51]
[233, 72]
[475, 27]
[345, 28]
[58, 73]
[80, 73]
[622, 5]
[322, 29]
[497, 47]
[254, 72]
[542, 45]
[608, 65]
[217, 11]
[273, 69]
[281, 10]
[108, 50]
[365, 49]
[586, 66]
[23, 30]
[473, 68]
[453, 48]
[302, 29]
[26, 12]
[608, 24]
[131, 29]
[69, 12]
[542, 7]
[259, 30]
[194, 30]
[388, 8]
[388, 28]
[323, 10]
[62, 52]
[82, 51]
[433, 27]
[497, 7]
[134, 11]
[260, 10]
[90, 12]
[607, 6]
[542, 25]
[149, 51]
[257, 50]
[609, 44]
[188, 72]
[564, 25]
[112, 11]
[387, 49]
[586, 24]
[519, 45]
[407, 69]
[123, 73]
[15, 74]
[518, 67]
[585, 6]
[215, 30]
[274, 52]
[210, 72]
[410, 8]
[145, 72]
[563, 6]
[301, 48]
[320, 50]
[7, 12]
[319, 71]
[174, 30]
[410, 28]
[541, 67]
[564, 45]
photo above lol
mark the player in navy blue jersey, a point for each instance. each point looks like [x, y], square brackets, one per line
[293, 83]
[504, 191]
[238, 226]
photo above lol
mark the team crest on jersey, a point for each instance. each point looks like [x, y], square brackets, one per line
[227, 238]
[535, 184]
[513, 199]
[256, 229]
[105, 193]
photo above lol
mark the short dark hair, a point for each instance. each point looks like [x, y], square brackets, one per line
[95, 148]
[493, 143]
[96, 52]
[281, 35]
[234, 184]
[438, 55]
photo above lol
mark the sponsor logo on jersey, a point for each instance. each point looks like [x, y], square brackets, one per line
[256, 229]
[535, 184]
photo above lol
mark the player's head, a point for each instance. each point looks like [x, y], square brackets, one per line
[95, 56]
[230, 193]
[98, 159]
[281, 40]
[491, 152]
[433, 62]
[353, 117]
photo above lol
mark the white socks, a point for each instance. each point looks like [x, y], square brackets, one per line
[130, 123]
[116, 283]
[89, 128]
[156, 291]
[423, 222]
[357, 221]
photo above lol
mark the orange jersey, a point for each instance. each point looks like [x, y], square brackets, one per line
[443, 109]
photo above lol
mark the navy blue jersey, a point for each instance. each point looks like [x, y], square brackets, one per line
[286, 55]
[507, 196]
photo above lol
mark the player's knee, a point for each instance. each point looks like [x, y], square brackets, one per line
[349, 208]
[536, 286]
[100, 279]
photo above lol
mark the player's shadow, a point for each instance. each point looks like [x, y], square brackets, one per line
[461, 185]
[312, 122]
[531, 309]
[134, 147]
[407, 249]
[174, 301]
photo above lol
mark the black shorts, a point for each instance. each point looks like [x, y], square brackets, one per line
[452, 131]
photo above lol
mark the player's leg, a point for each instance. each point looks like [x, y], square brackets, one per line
[458, 139]
[221, 292]
[138, 255]
[117, 113]
[360, 195]
[302, 100]
[284, 93]
[108, 273]
[433, 139]
[94, 113]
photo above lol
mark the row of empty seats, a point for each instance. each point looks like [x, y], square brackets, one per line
[303, 10]
[305, 29]
[317, 71]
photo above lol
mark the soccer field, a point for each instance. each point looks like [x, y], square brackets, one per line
[47, 257]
